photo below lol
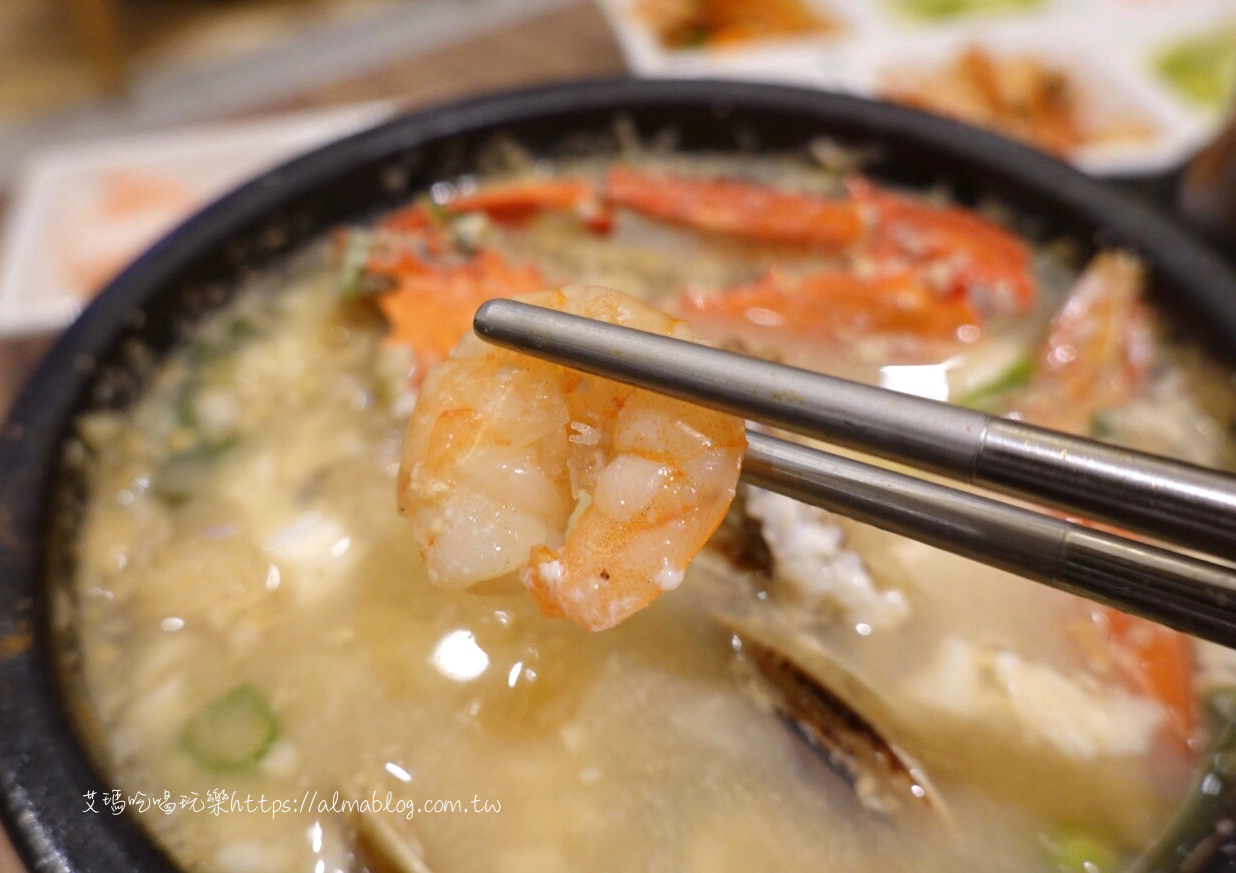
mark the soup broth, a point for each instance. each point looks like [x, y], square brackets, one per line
[263, 649]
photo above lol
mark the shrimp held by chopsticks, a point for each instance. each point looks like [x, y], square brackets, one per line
[597, 493]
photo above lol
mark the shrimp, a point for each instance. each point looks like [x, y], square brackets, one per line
[832, 305]
[1096, 356]
[598, 494]
[965, 253]
[739, 209]
[516, 202]
[1098, 352]
[436, 284]
[955, 252]
[431, 306]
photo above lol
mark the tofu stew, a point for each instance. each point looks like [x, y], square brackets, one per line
[264, 646]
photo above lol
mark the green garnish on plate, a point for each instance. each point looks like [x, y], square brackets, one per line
[1202, 68]
[940, 10]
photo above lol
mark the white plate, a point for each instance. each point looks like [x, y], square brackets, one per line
[1107, 46]
[81, 212]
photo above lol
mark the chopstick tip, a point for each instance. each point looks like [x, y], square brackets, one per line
[488, 314]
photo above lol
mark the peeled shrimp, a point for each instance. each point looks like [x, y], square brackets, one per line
[598, 494]
[1099, 349]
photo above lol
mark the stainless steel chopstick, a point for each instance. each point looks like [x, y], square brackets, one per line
[1187, 593]
[1190, 595]
[1170, 500]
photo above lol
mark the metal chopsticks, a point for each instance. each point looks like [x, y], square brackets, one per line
[1169, 500]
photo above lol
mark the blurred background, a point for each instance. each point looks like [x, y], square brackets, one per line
[118, 118]
[73, 67]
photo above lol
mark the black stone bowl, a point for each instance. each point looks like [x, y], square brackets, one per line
[46, 766]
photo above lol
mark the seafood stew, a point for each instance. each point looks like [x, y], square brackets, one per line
[103, 361]
[252, 613]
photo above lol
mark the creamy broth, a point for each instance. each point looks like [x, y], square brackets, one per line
[241, 532]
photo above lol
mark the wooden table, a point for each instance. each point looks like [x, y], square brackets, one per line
[567, 44]
[98, 28]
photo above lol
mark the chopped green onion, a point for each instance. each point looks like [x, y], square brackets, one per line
[1017, 375]
[358, 245]
[1076, 850]
[218, 343]
[232, 732]
[694, 37]
[175, 481]
[942, 9]
[1221, 705]
[1101, 426]
[201, 352]
[239, 330]
[206, 450]
[1201, 69]
[436, 210]
[186, 415]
